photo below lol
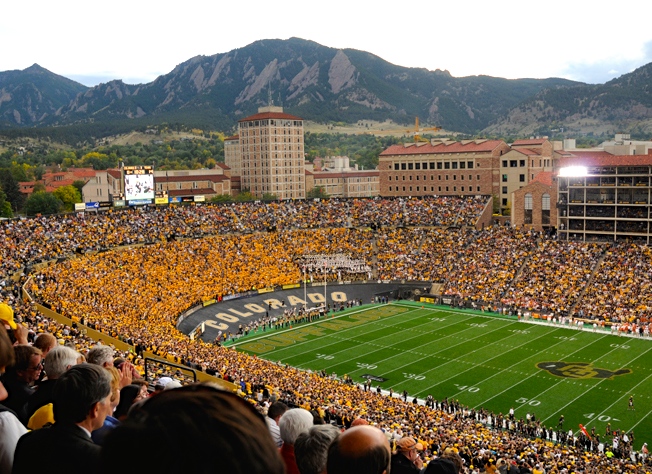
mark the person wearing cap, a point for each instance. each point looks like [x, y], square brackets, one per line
[406, 459]
[17, 332]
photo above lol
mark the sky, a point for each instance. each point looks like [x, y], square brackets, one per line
[139, 40]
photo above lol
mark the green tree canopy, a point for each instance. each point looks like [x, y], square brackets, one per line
[9, 185]
[42, 203]
[68, 195]
[5, 206]
[317, 192]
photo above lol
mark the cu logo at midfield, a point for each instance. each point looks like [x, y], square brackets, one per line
[579, 370]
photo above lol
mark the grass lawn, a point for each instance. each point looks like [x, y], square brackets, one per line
[481, 360]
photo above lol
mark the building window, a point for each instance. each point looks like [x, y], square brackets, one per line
[447, 165]
[403, 166]
[410, 166]
[521, 178]
[469, 165]
[545, 209]
[417, 166]
[504, 189]
[504, 163]
[454, 165]
[396, 166]
[521, 163]
[527, 215]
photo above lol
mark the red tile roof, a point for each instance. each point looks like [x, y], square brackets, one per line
[350, 174]
[223, 166]
[232, 137]
[606, 159]
[191, 192]
[451, 147]
[270, 115]
[115, 173]
[215, 178]
[543, 177]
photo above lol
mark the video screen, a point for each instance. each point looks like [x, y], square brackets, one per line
[139, 182]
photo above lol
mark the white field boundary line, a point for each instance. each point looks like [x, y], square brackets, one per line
[303, 325]
[391, 337]
[338, 338]
[353, 328]
[592, 420]
[639, 421]
[415, 350]
[534, 374]
[591, 388]
[457, 374]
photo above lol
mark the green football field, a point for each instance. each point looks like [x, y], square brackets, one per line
[481, 360]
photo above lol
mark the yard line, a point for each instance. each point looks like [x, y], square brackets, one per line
[591, 388]
[639, 421]
[402, 341]
[603, 411]
[533, 374]
[415, 350]
[487, 360]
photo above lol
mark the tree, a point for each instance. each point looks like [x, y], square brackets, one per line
[269, 197]
[79, 184]
[39, 187]
[68, 195]
[245, 196]
[5, 206]
[221, 198]
[42, 203]
[11, 189]
[317, 192]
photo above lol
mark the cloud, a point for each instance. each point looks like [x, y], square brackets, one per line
[604, 70]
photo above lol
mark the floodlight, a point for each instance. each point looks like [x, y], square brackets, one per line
[573, 171]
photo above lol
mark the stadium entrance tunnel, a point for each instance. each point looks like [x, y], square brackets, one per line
[227, 316]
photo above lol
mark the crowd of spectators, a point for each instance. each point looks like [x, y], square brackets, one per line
[137, 294]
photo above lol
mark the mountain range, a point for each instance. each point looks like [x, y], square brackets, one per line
[326, 84]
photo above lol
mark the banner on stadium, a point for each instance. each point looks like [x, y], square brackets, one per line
[200, 198]
[289, 287]
[160, 200]
[80, 206]
[139, 202]
[423, 299]
[174, 199]
[119, 203]
[265, 290]
[208, 302]
[447, 300]
[91, 205]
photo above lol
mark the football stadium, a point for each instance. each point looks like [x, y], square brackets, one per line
[498, 345]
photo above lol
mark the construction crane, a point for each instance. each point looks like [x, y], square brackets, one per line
[417, 132]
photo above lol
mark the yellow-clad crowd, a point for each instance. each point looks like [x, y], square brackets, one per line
[139, 292]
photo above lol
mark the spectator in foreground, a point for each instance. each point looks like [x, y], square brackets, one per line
[359, 450]
[274, 414]
[19, 379]
[311, 448]
[11, 429]
[406, 459]
[56, 362]
[81, 403]
[223, 431]
[292, 424]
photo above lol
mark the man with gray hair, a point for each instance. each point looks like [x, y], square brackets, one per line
[82, 400]
[101, 355]
[57, 361]
[292, 424]
[311, 448]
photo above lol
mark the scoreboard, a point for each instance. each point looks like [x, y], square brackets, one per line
[139, 182]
